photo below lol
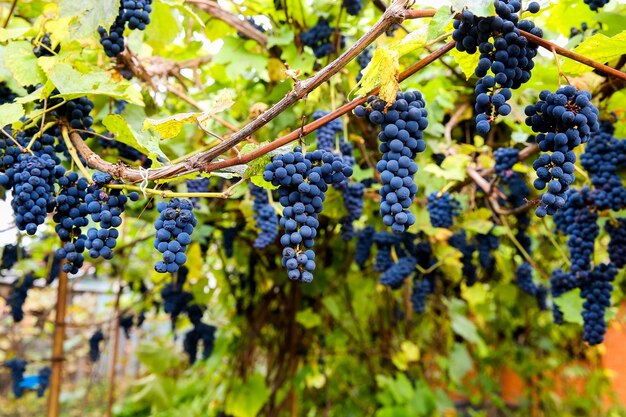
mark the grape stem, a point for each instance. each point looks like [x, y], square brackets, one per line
[166, 194]
[11, 10]
[519, 247]
[554, 243]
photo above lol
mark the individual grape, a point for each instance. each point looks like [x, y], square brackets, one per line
[394, 276]
[94, 345]
[320, 39]
[460, 242]
[364, 242]
[564, 120]
[17, 367]
[597, 294]
[174, 228]
[353, 7]
[617, 244]
[401, 138]
[442, 209]
[302, 182]
[265, 217]
[17, 295]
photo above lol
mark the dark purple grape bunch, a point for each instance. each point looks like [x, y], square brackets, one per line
[594, 5]
[17, 295]
[617, 244]
[506, 56]
[353, 7]
[17, 367]
[77, 112]
[597, 294]
[526, 283]
[174, 228]
[44, 47]
[265, 217]
[563, 120]
[134, 12]
[320, 39]
[199, 185]
[105, 208]
[94, 345]
[401, 139]
[70, 217]
[394, 276]
[6, 94]
[201, 332]
[364, 243]
[442, 209]
[505, 159]
[303, 181]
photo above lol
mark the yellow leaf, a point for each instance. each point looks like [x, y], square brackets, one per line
[414, 41]
[171, 126]
[411, 351]
[466, 62]
[389, 68]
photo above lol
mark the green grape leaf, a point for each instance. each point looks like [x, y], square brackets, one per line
[438, 23]
[142, 141]
[460, 363]
[308, 318]
[247, 398]
[10, 113]
[600, 48]
[89, 15]
[571, 304]
[20, 60]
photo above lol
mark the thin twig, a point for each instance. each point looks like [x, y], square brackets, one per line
[11, 10]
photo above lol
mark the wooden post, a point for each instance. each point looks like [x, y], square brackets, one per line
[113, 366]
[58, 338]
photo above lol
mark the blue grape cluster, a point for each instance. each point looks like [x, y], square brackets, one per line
[17, 368]
[320, 39]
[17, 296]
[603, 158]
[199, 185]
[105, 209]
[385, 242]
[560, 283]
[597, 294]
[363, 60]
[326, 135]
[364, 242]
[126, 152]
[580, 222]
[173, 233]
[127, 321]
[442, 209]
[229, 235]
[32, 180]
[265, 217]
[94, 345]
[505, 159]
[504, 52]
[77, 112]
[44, 47]
[44, 380]
[594, 5]
[395, 275]
[524, 279]
[6, 94]
[70, 217]
[175, 299]
[487, 243]
[401, 138]
[302, 182]
[353, 7]
[11, 254]
[617, 244]
[353, 202]
[200, 332]
[564, 120]
[134, 12]
[253, 22]
[459, 241]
